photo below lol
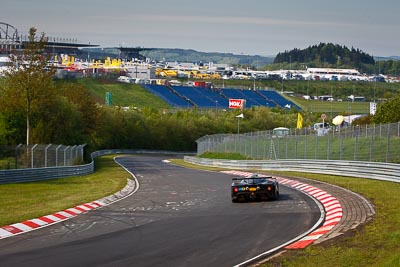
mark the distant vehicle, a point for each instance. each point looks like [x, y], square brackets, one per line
[5, 65]
[280, 131]
[254, 188]
[321, 128]
[321, 125]
[124, 79]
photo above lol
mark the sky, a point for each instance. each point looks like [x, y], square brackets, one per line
[248, 27]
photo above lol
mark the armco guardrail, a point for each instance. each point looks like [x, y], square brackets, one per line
[39, 174]
[360, 169]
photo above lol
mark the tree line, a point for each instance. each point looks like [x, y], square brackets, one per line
[337, 56]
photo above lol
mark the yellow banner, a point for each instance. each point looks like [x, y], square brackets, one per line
[299, 121]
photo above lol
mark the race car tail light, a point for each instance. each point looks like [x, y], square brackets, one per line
[269, 188]
[235, 189]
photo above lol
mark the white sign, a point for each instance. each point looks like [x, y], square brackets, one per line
[372, 108]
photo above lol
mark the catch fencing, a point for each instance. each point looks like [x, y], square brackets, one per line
[41, 156]
[371, 170]
[374, 143]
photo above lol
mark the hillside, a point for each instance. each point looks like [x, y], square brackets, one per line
[188, 55]
[327, 54]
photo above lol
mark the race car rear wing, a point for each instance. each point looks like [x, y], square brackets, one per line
[251, 180]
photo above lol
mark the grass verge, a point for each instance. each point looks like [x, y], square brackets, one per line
[373, 244]
[23, 201]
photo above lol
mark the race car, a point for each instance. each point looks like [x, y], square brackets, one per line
[256, 187]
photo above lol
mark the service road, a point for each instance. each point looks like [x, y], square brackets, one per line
[177, 217]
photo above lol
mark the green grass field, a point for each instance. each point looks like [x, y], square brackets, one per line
[23, 201]
[123, 94]
[332, 107]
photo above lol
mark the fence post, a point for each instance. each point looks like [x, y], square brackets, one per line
[388, 143]
[398, 128]
[265, 146]
[45, 155]
[32, 163]
[340, 147]
[65, 155]
[57, 154]
[251, 144]
[328, 148]
[371, 143]
[16, 155]
[305, 147]
[355, 147]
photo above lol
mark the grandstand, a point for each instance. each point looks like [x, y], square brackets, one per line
[168, 95]
[203, 97]
[11, 40]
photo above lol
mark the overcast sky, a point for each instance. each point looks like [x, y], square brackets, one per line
[250, 27]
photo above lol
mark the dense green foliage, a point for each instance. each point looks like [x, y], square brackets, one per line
[327, 54]
[176, 130]
[388, 111]
[330, 55]
[36, 109]
[27, 92]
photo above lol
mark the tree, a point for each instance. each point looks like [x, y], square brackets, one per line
[78, 96]
[29, 85]
[388, 112]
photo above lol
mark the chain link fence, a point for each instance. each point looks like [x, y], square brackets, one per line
[380, 143]
[40, 156]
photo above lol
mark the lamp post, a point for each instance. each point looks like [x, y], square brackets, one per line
[241, 116]
[287, 107]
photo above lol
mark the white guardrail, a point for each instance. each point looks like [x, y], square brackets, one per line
[359, 169]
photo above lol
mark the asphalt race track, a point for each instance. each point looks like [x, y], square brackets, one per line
[178, 217]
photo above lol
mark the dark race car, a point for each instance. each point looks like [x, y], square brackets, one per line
[256, 187]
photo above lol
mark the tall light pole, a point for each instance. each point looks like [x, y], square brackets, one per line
[241, 116]
[287, 107]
